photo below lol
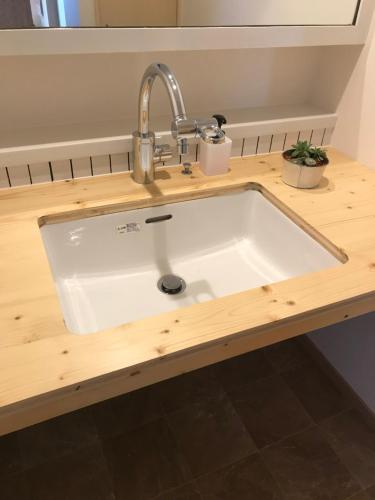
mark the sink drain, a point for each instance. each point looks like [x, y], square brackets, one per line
[171, 284]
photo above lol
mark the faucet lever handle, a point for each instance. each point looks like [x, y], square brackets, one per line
[162, 153]
[221, 120]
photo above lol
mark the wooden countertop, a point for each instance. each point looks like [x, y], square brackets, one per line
[45, 370]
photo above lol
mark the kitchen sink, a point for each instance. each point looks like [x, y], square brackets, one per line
[121, 267]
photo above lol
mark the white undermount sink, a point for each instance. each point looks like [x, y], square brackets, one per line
[107, 267]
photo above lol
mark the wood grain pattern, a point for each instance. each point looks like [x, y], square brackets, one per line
[45, 370]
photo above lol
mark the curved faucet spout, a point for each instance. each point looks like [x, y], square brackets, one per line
[174, 93]
[146, 153]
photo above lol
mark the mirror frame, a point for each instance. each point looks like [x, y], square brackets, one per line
[49, 41]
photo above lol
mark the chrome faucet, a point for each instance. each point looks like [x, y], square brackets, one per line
[145, 152]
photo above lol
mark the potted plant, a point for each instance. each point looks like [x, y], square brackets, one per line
[304, 165]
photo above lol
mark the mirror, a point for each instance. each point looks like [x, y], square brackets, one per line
[172, 13]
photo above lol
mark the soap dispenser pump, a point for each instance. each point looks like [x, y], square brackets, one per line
[215, 148]
[221, 120]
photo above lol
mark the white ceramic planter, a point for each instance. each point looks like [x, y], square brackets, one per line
[301, 176]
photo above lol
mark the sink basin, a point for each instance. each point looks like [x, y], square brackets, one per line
[107, 267]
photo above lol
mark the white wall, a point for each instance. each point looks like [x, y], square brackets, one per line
[41, 90]
[354, 133]
[350, 346]
[334, 74]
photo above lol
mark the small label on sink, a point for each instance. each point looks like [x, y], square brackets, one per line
[132, 227]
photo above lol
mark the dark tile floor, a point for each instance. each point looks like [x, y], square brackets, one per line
[268, 425]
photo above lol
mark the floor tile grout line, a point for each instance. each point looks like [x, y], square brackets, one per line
[351, 474]
[297, 365]
[312, 363]
[225, 392]
[354, 478]
[178, 446]
[222, 386]
[256, 450]
[338, 414]
[204, 474]
[363, 490]
[109, 468]
[27, 469]
[171, 490]
[266, 377]
[313, 423]
[270, 471]
[315, 426]
[310, 427]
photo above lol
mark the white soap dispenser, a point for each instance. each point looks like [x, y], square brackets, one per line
[214, 149]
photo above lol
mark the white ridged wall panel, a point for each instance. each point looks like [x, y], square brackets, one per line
[237, 147]
[291, 138]
[250, 146]
[4, 179]
[82, 167]
[56, 170]
[277, 143]
[119, 162]
[61, 170]
[19, 176]
[40, 172]
[101, 165]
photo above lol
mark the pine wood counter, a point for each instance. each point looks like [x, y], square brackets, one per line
[45, 370]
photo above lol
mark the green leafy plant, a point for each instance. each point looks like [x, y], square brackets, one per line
[304, 153]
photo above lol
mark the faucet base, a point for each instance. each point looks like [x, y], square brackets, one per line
[143, 157]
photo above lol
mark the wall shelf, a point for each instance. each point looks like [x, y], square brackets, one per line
[121, 40]
[91, 139]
